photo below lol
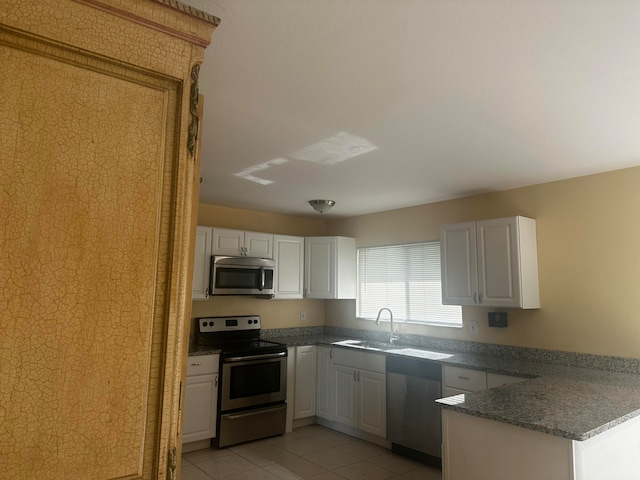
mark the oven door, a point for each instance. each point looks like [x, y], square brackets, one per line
[252, 380]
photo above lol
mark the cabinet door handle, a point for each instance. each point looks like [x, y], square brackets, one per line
[331, 353]
[355, 376]
[463, 378]
[196, 364]
[475, 297]
[480, 298]
[216, 382]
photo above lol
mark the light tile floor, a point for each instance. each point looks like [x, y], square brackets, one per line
[311, 452]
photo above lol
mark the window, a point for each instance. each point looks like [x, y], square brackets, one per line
[406, 279]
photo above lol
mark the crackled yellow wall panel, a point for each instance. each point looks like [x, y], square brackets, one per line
[80, 218]
[94, 222]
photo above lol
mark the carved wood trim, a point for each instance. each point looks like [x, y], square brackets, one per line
[193, 111]
[132, 17]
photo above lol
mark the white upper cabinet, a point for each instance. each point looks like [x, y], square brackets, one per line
[288, 253]
[491, 263]
[202, 264]
[240, 243]
[330, 267]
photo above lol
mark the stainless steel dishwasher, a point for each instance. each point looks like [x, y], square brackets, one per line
[413, 418]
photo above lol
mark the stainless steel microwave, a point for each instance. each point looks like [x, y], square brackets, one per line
[242, 276]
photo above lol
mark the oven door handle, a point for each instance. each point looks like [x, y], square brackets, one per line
[249, 358]
[251, 414]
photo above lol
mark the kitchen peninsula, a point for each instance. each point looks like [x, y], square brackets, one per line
[564, 422]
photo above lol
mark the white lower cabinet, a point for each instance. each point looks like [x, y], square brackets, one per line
[346, 395]
[201, 397]
[372, 402]
[305, 382]
[360, 391]
[456, 380]
[325, 406]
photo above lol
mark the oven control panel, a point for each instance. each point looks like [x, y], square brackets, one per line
[228, 324]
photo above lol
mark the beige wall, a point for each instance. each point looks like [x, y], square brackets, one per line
[273, 313]
[588, 232]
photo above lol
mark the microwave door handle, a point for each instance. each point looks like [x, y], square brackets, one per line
[262, 279]
[212, 272]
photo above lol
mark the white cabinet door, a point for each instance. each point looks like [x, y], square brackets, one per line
[459, 264]
[324, 384]
[361, 395]
[227, 242]
[240, 243]
[202, 263]
[288, 253]
[346, 400]
[258, 245]
[291, 387]
[305, 386]
[330, 267]
[372, 402]
[508, 262]
[201, 396]
[492, 263]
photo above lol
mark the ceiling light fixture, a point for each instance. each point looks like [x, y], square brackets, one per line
[322, 206]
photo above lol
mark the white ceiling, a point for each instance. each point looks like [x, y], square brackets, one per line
[455, 97]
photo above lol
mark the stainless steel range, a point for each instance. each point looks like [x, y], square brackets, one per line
[253, 379]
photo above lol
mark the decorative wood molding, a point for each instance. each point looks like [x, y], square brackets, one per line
[174, 5]
[193, 111]
[189, 10]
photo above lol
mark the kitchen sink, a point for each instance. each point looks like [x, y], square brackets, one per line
[367, 345]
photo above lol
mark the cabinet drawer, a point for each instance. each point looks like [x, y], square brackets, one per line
[497, 380]
[464, 378]
[202, 364]
[373, 362]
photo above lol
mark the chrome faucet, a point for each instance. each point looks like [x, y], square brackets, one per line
[393, 336]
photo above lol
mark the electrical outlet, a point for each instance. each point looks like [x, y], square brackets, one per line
[303, 315]
[473, 326]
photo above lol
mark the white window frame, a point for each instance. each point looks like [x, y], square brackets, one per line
[396, 261]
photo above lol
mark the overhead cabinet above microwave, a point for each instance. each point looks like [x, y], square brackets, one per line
[239, 243]
[492, 263]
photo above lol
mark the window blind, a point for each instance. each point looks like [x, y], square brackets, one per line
[406, 279]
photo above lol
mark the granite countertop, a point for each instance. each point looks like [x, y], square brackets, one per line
[567, 401]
